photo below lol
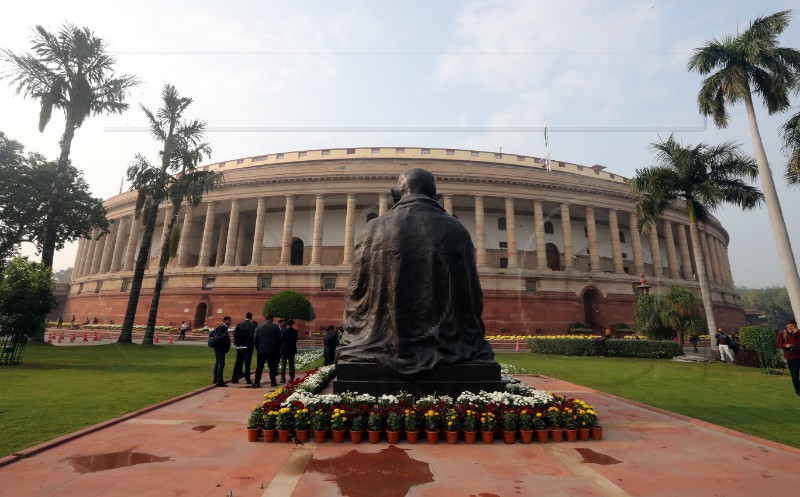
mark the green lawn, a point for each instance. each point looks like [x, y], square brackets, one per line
[739, 398]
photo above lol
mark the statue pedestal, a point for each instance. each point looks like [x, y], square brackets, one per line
[447, 379]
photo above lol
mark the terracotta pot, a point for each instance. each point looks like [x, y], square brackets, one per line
[583, 434]
[374, 436]
[597, 433]
[487, 437]
[320, 436]
[469, 437]
[452, 436]
[541, 435]
[337, 436]
[269, 436]
[356, 436]
[301, 435]
[433, 437]
[526, 436]
[252, 434]
[284, 436]
[392, 437]
[412, 436]
[557, 434]
[572, 435]
[510, 436]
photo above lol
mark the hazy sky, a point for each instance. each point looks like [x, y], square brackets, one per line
[610, 76]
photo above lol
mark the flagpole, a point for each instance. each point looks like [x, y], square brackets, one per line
[546, 145]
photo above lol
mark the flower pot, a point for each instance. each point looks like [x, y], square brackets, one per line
[337, 436]
[433, 436]
[451, 436]
[320, 436]
[541, 435]
[269, 436]
[284, 436]
[412, 436]
[469, 437]
[557, 434]
[392, 437]
[487, 437]
[597, 433]
[510, 436]
[301, 435]
[572, 435]
[356, 436]
[526, 436]
[374, 436]
[583, 434]
[252, 434]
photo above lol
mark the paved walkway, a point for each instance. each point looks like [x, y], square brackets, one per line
[196, 447]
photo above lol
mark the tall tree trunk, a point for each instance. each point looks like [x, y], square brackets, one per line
[126, 334]
[54, 202]
[782, 242]
[162, 264]
[702, 276]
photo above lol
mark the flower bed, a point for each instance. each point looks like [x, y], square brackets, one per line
[520, 406]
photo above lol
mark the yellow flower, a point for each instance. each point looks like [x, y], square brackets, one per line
[538, 415]
[449, 423]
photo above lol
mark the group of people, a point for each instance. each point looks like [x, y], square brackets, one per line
[274, 344]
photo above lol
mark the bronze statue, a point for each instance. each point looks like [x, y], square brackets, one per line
[414, 300]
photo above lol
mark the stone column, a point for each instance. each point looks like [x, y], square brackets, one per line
[723, 267]
[119, 245]
[108, 248]
[686, 259]
[186, 233]
[655, 252]
[88, 260]
[480, 233]
[511, 233]
[98, 254]
[383, 204]
[672, 256]
[538, 228]
[591, 230]
[566, 233]
[258, 236]
[712, 251]
[223, 238]
[636, 243]
[448, 204]
[616, 247]
[240, 237]
[288, 226]
[130, 250]
[76, 266]
[731, 283]
[349, 228]
[233, 232]
[208, 235]
[707, 257]
[319, 219]
[164, 230]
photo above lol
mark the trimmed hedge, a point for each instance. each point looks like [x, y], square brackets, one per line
[613, 348]
[758, 343]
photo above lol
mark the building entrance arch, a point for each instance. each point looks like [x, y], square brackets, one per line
[553, 257]
[200, 315]
[591, 308]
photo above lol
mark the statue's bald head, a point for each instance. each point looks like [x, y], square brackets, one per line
[417, 180]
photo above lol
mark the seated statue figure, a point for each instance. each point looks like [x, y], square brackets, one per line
[414, 300]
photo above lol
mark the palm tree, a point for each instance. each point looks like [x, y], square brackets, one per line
[72, 71]
[753, 61]
[703, 177]
[675, 311]
[155, 185]
[790, 133]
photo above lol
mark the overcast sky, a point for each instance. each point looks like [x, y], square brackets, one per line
[610, 76]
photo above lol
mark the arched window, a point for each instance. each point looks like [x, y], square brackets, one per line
[501, 223]
[622, 237]
[297, 252]
[548, 227]
[371, 216]
[586, 232]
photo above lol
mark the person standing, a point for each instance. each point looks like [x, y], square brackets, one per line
[694, 340]
[288, 349]
[223, 345]
[267, 342]
[788, 341]
[183, 331]
[330, 341]
[59, 322]
[243, 343]
[724, 344]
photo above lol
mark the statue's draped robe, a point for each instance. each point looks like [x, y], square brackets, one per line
[414, 299]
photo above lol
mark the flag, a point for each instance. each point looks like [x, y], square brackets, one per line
[546, 145]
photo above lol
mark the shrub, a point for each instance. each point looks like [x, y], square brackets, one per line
[759, 341]
[617, 327]
[289, 304]
[613, 348]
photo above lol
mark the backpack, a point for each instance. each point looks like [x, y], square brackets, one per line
[213, 339]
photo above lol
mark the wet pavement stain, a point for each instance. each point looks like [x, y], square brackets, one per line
[359, 474]
[592, 457]
[112, 460]
[202, 428]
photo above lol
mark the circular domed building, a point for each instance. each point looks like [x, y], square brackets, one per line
[552, 247]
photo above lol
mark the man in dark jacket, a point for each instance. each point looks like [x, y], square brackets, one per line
[330, 341]
[288, 350]
[222, 347]
[243, 343]
[788, 341]
[267, 341]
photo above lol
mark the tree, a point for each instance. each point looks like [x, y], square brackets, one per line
[70, 70]
[26, 296]
[790, 133]
[753, 61]
[773, 301]
[289, 304]
[702, 177]
[62, 276]
[674, 313]
[24, 191]
[176, 180]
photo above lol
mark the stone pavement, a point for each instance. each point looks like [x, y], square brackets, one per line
[197, 446]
